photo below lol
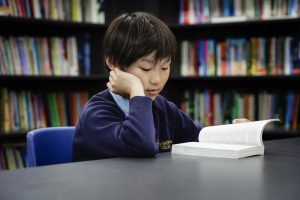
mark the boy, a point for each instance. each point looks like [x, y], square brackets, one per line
[130, 118]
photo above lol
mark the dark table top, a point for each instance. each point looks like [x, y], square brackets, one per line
[276, 175]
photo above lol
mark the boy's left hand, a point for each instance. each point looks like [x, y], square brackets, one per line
[240, 120]
[125, 84]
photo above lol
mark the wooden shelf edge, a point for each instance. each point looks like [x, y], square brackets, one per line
[50, 77]
[172, 78]
[250, 21]
[12, 138]
[51, 22]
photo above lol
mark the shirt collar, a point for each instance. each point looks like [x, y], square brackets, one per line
[122, 102]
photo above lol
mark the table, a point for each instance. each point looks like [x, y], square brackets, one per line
[276, 175]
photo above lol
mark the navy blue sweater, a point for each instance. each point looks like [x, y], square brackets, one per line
[103, 130]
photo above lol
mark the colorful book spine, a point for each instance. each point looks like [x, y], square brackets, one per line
[12, 157]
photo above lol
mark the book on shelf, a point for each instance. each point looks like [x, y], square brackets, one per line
[229, 19]
[4, 8]
[91, 11]
[2, 160]
[12, 157]
[225, 11]
[227, 141]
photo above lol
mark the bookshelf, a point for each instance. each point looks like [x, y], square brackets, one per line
[35, 89]
[168, 11]
[256, 19]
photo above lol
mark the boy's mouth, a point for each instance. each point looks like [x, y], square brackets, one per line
[153, 92]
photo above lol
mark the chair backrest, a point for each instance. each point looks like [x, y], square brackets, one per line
[46, 146]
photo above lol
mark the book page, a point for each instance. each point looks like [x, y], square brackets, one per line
[221, 146]
[248, 133]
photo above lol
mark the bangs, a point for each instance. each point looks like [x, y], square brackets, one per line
[162, 46]
[136, 35]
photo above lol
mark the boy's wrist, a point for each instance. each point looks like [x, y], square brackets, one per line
[137, 90]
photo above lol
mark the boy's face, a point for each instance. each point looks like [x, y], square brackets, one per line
[153, 75]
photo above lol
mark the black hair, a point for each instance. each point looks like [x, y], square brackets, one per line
[131, 36]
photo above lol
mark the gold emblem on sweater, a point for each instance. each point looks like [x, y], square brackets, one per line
[164, 145]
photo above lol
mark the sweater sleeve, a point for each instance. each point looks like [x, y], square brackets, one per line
[107, 134]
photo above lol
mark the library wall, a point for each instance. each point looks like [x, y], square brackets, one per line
[235, 58]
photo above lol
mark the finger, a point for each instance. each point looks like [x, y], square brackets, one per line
[240, 120]
[109, 86]
[111, 80]
[112, 74]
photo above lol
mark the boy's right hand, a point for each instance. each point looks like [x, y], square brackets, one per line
[125, 84]
[240, 120]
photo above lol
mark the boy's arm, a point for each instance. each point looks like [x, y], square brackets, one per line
[107, 134]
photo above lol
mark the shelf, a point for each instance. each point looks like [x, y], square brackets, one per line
[9, 78]
[250, 22]
[24, 25]
[235, 78]
[28, 26]
[98, 82]
[17, 137]
[168, 10]
[54, 83]
[236, 82]
[253, 28]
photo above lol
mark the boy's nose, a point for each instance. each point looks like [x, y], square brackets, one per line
[155, 79]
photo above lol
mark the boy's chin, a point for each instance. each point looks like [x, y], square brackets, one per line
[153, 97]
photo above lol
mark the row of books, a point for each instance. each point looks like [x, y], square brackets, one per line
[218, 11]
[241, 56]
[91, 11]
[45, 56]
[26, 110]
[12, 158]
[214, 107]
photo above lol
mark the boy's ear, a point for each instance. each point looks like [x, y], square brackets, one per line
[109, 64]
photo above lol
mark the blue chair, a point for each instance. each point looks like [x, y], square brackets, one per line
[46, 146]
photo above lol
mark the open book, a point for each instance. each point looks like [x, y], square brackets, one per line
[227, 141]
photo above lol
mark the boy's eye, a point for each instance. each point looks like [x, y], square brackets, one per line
[145, 69]
[165, 68]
